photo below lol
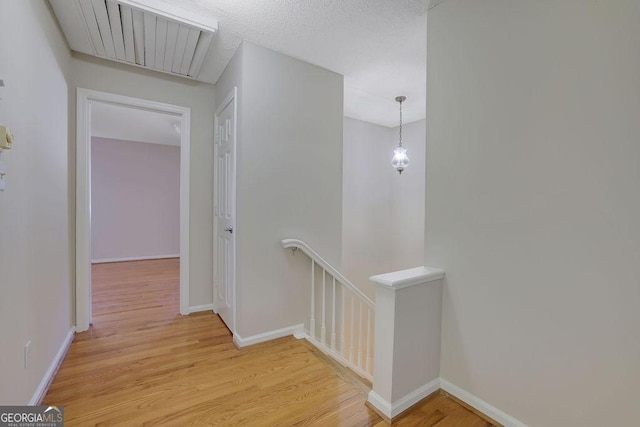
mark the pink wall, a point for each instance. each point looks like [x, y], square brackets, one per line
[135, 199]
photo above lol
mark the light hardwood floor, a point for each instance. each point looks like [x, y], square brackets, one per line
[141, 363]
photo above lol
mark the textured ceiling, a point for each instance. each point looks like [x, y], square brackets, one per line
[378, 45]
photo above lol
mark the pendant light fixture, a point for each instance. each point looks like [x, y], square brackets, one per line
[400, 159]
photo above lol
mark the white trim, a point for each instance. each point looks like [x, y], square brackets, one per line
[379, 403]
[175, 13]
[185, 197]
[303, 334]
[133, 258]
[198, 308]
[394, 409]
[406, 278]
[294, 330]
[83, 194]
[479, 404]
[83, 211]
[47, 379]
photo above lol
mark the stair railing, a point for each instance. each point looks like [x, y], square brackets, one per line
[344, 312]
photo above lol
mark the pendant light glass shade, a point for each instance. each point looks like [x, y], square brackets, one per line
[400, 159]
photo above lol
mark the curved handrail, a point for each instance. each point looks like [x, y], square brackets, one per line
[299, 244]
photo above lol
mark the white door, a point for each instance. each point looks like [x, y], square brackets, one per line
[224, 211]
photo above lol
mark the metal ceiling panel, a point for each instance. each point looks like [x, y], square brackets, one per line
[136, 33]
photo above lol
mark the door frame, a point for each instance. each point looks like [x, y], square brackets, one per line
[84, 99]
[231, 97]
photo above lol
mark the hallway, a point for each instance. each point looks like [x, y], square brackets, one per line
[141, 362]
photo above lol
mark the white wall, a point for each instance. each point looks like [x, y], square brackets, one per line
[533, 204]
[135, 199]
[35, 286]
[289, 179]
[383, 212]
[109, 76]
[230, 78]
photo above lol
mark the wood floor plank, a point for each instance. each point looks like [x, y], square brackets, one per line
[142, 363]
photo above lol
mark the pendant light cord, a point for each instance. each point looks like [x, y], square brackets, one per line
[400, 144]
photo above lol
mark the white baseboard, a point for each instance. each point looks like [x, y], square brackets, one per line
[47, 379]
[326, 350]
[480, 405]
[197, 308]
[134, 258]
[394, 409]
[294, 330]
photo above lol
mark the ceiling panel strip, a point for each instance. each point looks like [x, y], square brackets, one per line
[127, 33]
[149, 40]
[161, 41]
[189, 50]
[138, 35]
[71, 19]
[201, 52]
[92, 26]
[113, 11]
[172, 37]
[181, 43]
[100, 10]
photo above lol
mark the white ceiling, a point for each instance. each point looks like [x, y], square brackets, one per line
[379, 46]
[133, 124]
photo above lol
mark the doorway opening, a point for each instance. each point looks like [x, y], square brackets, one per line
[131, 203]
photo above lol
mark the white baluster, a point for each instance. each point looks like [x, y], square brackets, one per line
[343, 318]
[360, 336]
[352, 353]
[323, 330]
[312, 323]
[333, 318]
[369, 341]
[347, 331]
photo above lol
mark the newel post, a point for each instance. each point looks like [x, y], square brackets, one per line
[406, 365]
